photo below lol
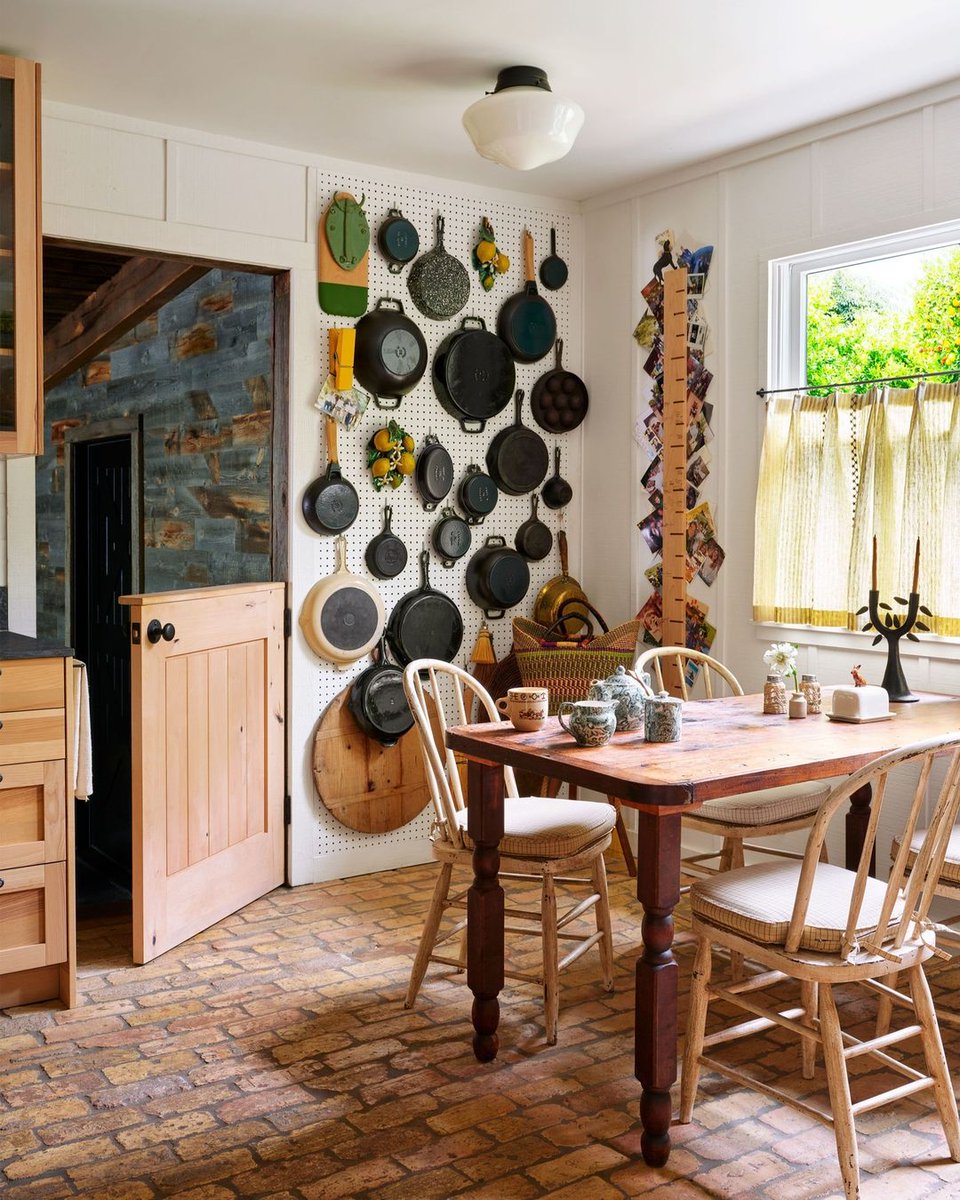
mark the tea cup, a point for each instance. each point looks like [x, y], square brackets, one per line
[526, 707]
[591, 723]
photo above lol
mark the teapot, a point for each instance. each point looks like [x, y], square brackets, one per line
[628, 691]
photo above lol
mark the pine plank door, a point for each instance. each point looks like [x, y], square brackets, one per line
[208, 728]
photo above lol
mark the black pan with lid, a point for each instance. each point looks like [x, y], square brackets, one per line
[378, 702]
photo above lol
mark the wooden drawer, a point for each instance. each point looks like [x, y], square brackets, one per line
[32, 814]
[33, 917]
[30, 683]
[31, 736]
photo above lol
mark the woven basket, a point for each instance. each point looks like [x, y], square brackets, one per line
[568, 667]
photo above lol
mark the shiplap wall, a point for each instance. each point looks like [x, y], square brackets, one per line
[891, 169]
[117, 181]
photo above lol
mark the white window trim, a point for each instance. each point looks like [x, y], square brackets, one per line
[786, 367]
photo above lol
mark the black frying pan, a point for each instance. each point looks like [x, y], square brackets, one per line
[557, 493]
[330, 502]
[425, 623]
[386, 555]
[553, 270]
[559, 400]
[378, 703]
[526, 321]
[534, 539]
[517, 458]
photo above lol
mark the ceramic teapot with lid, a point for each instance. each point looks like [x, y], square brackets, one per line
[628, 691]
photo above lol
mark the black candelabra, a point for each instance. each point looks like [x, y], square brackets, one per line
[891, 627]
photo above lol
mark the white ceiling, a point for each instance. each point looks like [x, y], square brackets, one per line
[385, 81]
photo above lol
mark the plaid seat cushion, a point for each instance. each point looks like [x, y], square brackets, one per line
[542, 828]
[951, 863]
[766, 807]
[757, 902]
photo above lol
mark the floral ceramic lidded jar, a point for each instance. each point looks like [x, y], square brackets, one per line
[628, 691]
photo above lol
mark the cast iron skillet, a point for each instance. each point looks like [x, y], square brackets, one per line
[330, 502]
[434, 472]
[386, 555]
[526, 321]
[473, 374]
[391, 353]
[425, 623]
[377, 700]
[497, 577]
[534, 539]
[517, 458]
[477, 495]
[559, 400]
[553, 270]
[398, 241]
[557, 493]
[450, 537]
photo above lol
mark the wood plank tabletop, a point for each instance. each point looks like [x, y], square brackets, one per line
[727, 746]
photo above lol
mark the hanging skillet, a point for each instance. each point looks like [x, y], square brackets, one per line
[439, 284]
[342, 615]
[477, 494]
[553, 270]
[526, 321]
[377, 700]
[386, 555]
[450, 537]
[517, 457]
[534, 539]
[398, 241]
[425, 623]
[473, 374]
[391, 353]
[557, 493]
[330, 502]
[559, 399]
[434, 472]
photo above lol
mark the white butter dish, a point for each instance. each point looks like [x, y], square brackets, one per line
[860, 720]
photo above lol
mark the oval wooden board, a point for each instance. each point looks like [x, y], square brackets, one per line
[367, 786]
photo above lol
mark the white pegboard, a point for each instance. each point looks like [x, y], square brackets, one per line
[420, 413]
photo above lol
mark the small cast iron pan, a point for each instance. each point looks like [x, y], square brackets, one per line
[330, 503]
[557, 493]
[497, 577]
[425, 623]
[517, 458]
[477, 495]
[526, 321]
[386, 555]
[450, 537]
[398, 241]
[559, 399]
[434, 473]
[553, 270]
[534, 539]
[377, 700]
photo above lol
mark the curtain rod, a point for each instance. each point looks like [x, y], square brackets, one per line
[815, 387]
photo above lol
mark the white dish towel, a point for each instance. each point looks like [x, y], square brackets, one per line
[82, 749]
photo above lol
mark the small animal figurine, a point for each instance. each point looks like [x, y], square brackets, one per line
[858, 679]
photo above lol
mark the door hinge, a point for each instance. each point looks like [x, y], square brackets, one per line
[287, 810]
[135, 633]
[287, 622]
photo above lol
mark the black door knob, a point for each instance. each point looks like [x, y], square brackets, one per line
[168, 632]
[156, 631]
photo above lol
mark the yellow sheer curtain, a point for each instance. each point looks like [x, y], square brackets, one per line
[836, 471]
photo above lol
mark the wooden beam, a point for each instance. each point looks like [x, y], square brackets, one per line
[674, 550]
[138, 289]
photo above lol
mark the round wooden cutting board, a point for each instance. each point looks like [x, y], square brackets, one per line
[367, 786]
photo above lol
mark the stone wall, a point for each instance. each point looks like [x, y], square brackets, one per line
[200, 371]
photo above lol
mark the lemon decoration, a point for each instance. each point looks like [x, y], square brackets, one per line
[390, 456]
[487, 259]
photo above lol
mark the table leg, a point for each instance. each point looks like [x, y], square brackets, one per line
[655, 1031]
[858, 818]
[485, 905]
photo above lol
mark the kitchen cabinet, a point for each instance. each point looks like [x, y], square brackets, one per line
[21, 318]
[37, 915]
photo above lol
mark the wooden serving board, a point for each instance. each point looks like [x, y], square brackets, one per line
[341, 293]
[367, 786]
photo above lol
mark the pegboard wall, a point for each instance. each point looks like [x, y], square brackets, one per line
[420, 413]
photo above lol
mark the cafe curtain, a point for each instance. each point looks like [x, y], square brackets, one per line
[837, 470]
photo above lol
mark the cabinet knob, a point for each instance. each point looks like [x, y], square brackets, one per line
[156, 631]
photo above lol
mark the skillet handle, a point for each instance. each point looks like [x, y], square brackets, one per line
[494, 614]
[528, 257]
[472, 424]
[559, 350]
[379, 401]
[564, 555]
[333, 455]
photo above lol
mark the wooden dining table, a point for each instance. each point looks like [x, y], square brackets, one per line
[727, 746]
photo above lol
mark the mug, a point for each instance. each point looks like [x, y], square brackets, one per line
[592, 722]
[526, 707]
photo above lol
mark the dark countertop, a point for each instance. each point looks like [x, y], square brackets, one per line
[18, 645]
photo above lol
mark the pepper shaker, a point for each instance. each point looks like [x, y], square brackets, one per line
[810, 686]
[775, 696]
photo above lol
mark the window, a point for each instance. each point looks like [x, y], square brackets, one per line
[842, 465]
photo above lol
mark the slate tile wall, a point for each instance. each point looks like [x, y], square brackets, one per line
[200, 371]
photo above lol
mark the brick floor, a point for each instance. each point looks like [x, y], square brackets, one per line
[271, 1057]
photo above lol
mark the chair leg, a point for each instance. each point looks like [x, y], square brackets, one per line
[885, 1007]
[429, 936]
[736, 860]
[696, 1027]
[839, 1086]
[551, 973]
[599, 876]
[808, 1047]
[624, 839]
[936, 1060]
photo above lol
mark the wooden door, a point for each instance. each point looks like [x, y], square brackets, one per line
[208, 732]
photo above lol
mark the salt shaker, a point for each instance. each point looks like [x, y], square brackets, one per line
[810, 686]
[775, 696]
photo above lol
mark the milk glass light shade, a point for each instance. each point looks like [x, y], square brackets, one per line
[522, 124]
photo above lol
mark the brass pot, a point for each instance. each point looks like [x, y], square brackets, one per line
[557, 591]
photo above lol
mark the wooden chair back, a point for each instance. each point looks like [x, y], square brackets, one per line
[680, 659]
[454, 692]
[918, 886]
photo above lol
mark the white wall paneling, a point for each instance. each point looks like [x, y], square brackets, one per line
[107, 170]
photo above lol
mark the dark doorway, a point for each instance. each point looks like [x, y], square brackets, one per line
[102, 542]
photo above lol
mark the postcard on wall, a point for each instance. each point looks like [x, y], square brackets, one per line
[699, 468]
[652, 478]
[698, 377]
[651, 619]
[653, 294]
[646, 331]
[712, 561]
[654, 363]
[651, 527]
[697, 332]
[654, 575]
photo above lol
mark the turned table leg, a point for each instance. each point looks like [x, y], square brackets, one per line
[485, 905]
[858, 818]
[655, 1031]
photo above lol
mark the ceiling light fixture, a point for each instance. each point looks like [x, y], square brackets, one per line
[521, 124]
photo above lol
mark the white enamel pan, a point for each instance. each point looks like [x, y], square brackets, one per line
[342, 616]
